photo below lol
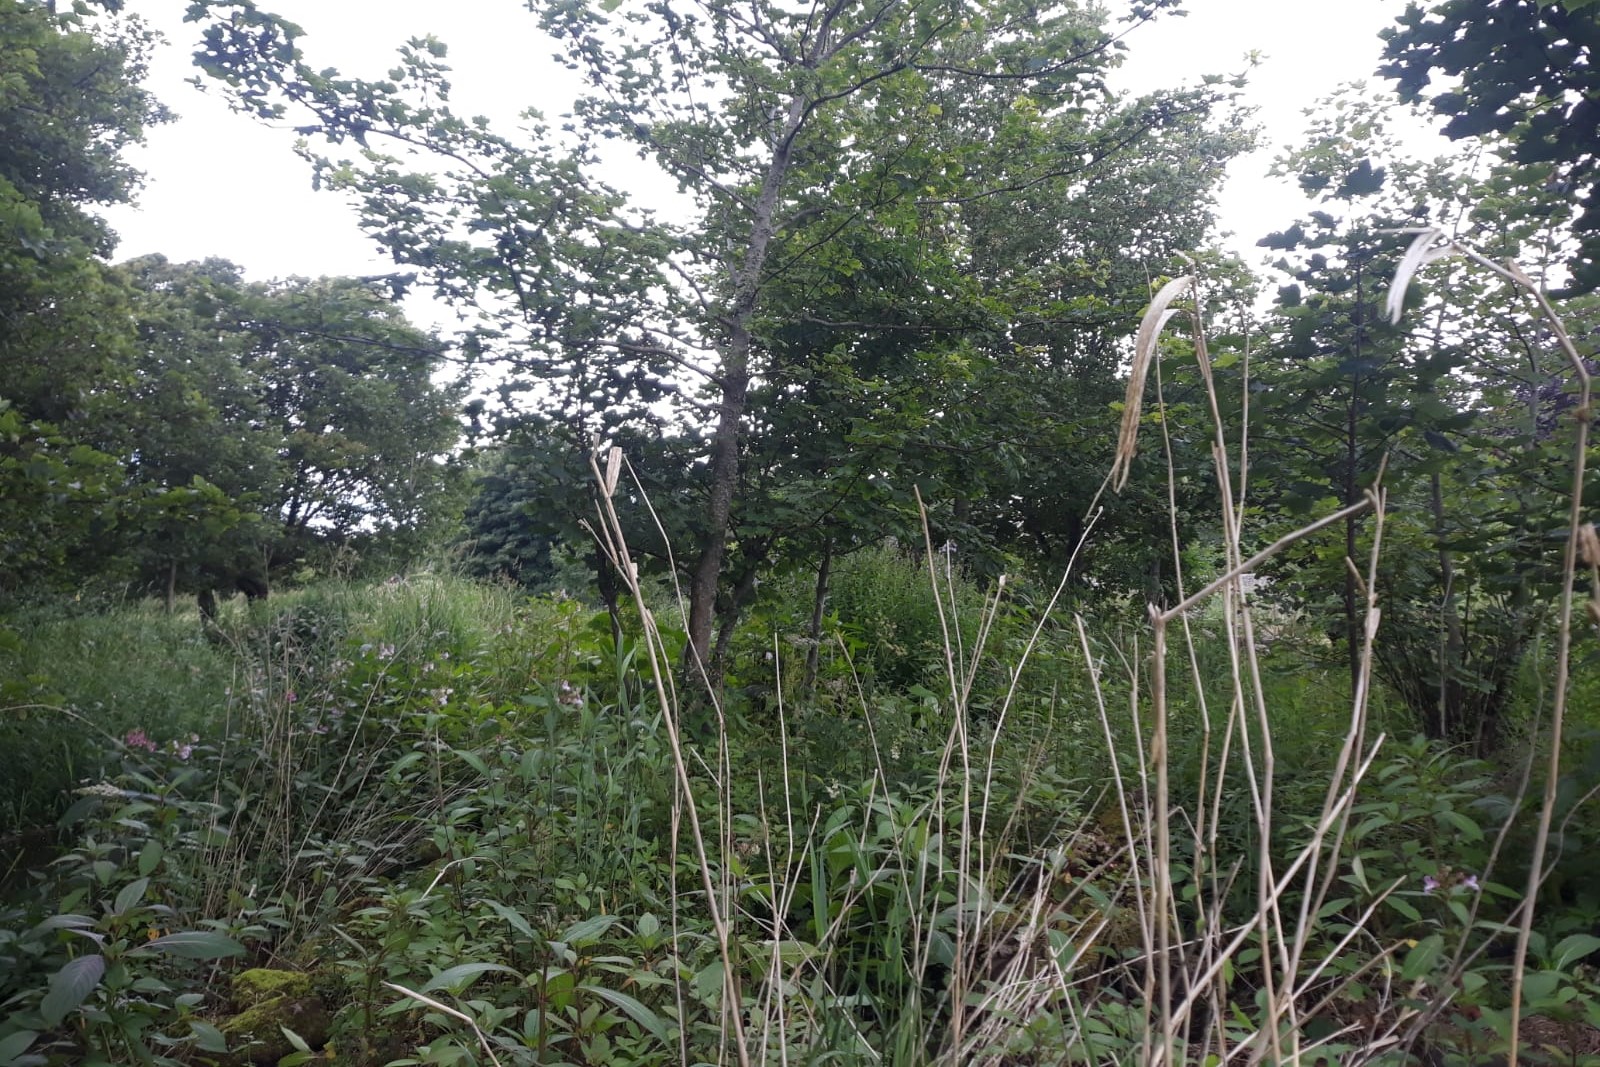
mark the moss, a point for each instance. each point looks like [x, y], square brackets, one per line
[269, 1001]
[263, 983]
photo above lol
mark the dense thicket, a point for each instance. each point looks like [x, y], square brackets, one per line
[1524, 70]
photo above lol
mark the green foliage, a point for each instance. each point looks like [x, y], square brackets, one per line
[857, 310]
[167, 424]
[100, 945]
[62, 498]
[1520, 72]
[1454, 407]
[70, 102]
[435, 784]
[68, 682]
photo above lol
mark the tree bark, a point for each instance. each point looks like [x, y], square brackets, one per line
[172, 586]
[743, 594]
[808, 685]
[1452, 641]
[735, 382]
[605, 580]
[1352, 457]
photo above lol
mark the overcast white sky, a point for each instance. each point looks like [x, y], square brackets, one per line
[223, 184]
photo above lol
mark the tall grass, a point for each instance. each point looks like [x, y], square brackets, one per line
[72, 682]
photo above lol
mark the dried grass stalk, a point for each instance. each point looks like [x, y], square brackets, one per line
[1144, 350]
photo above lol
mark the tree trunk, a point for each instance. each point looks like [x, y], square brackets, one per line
[808, 685]
[1352, 457]
[605, 580]
[172, 586]
[1452, 645]
[743, 594]
[735, 382]
[1351, 623]
[707, 571]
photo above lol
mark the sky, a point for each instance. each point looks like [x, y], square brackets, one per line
[226, 185]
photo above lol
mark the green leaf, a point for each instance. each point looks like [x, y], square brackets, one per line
[149, 858]
[79, 810]
[193, 945]
[131, 894]
[207, 1038]
[1572, 949]
[295, 1039]
[66, 922]
[457, 978]
[634, 1010]
[69, 986]
[1333, 907]
[1404, 907]
[588, 931]
[1469, 830]
[12, 1046]
[1538, 987]
[512, 916]
[473, 760]
[1420, 960]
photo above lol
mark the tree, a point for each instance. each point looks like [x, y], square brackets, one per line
[536, 493]
[309, 405]
[800, 135]
[1528, 72]
[1433, 403]
[347, 386]
[190, 427]
[70, 103]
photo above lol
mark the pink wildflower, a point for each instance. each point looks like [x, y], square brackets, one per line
[138, 739]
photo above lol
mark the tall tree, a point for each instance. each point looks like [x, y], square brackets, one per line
[347, 386]
[70, 104]
[1524, 70]
[1439, 403]
[795, 132]
[189, 426]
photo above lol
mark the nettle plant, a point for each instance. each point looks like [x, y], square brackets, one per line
[107, 964]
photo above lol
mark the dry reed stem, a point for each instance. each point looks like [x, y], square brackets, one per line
[1145, 344]
[483, 1041]
[1278, 947]
[616, 547]
[1427, 246]
[1569, 571]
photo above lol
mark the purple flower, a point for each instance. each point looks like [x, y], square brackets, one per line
[138, 739]
[289, 697]
[1429, 884]
[1470, 882]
